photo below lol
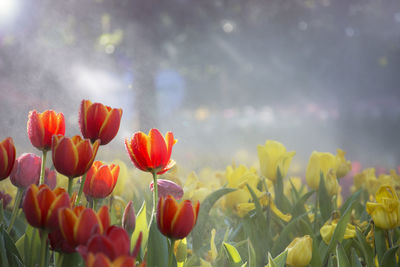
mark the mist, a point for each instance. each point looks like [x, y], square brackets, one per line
[224, 76]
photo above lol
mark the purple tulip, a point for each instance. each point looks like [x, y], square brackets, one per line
[167, 187]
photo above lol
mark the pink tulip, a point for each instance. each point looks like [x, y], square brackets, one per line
[26, 170]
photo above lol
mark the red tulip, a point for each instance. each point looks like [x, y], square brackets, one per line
[7, 157]
[99, 122]
[101, 180]
[26, 170]
[167, 187]
[113, 245]
[41, 206]
[151, 152]
[42, 126]
[176, 220]
[79, 224]
[74, 156]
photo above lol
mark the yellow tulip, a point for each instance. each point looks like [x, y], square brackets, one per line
[238, 178]
[386, 212]
[331, 183]
[343, 166]
[299, 251]
[273, 155]
[319, 162]
[329, 227]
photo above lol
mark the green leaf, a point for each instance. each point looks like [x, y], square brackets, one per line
[316, 256]
[366, 250]
[10, 247]
[338, 234]
[350, 200]
[73, 259]
[252, 254]
[380, 242]
[233, 255]
[355, 261]
[299, 209]
[324, 200]
[141, 227]
[389, 258]
[281, 200]
[278, 261]
[341, 256]
[31, 246]
[157, 248]
[199, 230]
[3, 251]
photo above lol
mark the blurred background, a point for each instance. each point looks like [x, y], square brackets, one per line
[223, 75]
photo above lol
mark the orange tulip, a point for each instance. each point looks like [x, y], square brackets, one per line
[42, 126]
[41, 206]
[79, 224]
[74, 156]
[151, 152]
[7, 157]
[100, 180]
[99, 122]
[176, 220]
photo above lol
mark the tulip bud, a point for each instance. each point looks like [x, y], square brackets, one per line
[299, 251]
[50, 178]
[167, 187]
[129, 218]
[6, 199]
[26, 170]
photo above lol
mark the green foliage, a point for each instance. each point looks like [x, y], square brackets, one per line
[233, 255]
[157, 247]
[199, 230]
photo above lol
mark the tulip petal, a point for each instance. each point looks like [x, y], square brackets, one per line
[158, 149]
[83, 228]
[31, 207]
[167, 209]
[53, 123]
[62, 201]
[35, 129]
[65, 156]
[100, 260]
[95, 116]
[110, 126]
[101, 244]
[120, 240]
[45, 198]
[104, 217]
[184, 220]
[140, 148]
[82, 116]
[101, 183]
[67, 220]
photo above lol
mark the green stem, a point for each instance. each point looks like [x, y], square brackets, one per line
[96, 202]
[171, 252]
[60, 259]
[17, 202]
[70, 182]
[389, 235]
[155, 197]
[43, 237]
[78, 199]
[42, 171]
[316, 212]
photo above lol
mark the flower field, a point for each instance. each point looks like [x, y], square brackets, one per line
[66, 207]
